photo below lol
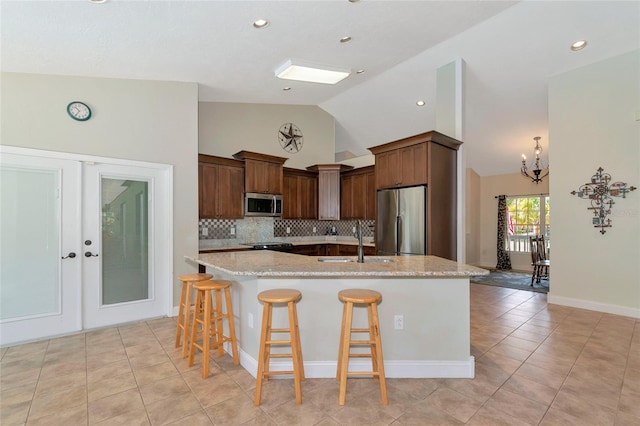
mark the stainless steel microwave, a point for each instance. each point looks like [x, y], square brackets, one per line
[256, 204]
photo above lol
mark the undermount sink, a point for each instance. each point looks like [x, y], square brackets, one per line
[352, 259]
[377, 260]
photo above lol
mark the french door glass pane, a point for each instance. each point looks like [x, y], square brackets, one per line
[125, 246]
[30, 243]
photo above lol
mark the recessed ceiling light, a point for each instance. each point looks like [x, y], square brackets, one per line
[260, 23]
[286, 89]
[579, 45]
[354, 1]
[97, 1]
[346, 39]
[360, 72]
[311, 73]
[420, 103]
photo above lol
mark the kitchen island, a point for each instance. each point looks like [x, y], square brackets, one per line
[430, 294]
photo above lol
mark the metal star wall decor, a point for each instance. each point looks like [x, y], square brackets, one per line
[600, 191]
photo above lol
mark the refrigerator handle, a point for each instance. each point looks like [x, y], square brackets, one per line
[398, 234]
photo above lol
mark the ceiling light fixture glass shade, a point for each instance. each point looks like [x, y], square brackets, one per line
[539, 171]
[579, 45]
[300, 71]
[260, 23]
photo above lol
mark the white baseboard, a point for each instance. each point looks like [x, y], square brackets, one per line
[594, 306]
[392, 369]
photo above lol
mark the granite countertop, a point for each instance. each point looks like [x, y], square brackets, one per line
[266, 263]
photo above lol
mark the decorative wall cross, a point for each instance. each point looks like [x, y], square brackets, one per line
[600, 191]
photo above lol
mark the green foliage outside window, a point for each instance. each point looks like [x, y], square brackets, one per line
[526, 216]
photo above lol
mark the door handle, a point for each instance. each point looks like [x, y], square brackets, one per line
[69, 256]
[89, 254]
[398, 234]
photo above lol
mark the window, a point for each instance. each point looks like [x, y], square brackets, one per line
[526, 216]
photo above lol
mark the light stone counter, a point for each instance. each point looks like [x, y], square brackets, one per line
[431, 294]
[266, 263]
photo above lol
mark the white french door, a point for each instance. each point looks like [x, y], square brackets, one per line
[40, 266]
[125, 235]
[82, 244]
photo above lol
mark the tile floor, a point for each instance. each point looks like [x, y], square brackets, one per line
[535, 364]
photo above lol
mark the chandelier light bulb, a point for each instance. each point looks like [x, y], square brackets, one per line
[538, 172]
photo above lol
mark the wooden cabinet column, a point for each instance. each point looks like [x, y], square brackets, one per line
[426, 159]
[329, 189]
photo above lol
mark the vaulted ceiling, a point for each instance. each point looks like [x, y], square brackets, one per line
[510, 50]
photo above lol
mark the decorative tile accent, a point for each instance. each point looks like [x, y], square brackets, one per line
[256, 229]
[304, 228]
[216, 229]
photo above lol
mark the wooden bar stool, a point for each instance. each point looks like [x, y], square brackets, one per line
[209, 318]
[371, 299]
[186, 309]
[270, 297]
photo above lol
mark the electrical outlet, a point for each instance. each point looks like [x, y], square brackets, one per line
[232, 230]
[354, 229]
[288, 230]
[398, 322]
[205, 231]
[250, 320]
[314, 229]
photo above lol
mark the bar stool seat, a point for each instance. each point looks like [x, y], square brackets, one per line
[370, 298]
[186, 309]
[269, 298]
[209, 319]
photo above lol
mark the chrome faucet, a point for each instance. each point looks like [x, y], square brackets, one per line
[359, 237]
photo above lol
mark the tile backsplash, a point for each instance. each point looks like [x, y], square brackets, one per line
[304, 228]
[267, 228]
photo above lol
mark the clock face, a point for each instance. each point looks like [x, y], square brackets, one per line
[290, 137]
[79, 111]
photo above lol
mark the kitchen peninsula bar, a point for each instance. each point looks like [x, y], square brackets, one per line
[430, 293]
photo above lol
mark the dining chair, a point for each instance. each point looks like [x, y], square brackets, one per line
[539, 259]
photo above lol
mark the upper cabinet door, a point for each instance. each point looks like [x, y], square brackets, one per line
[207, 191]
[308, 197]
[263, 173]
[290, 197]
[230, 192]
[413, 168]
[220, 188]
[387, 164]
[329, 195]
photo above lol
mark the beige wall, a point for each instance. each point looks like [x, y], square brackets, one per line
[593, 122]
[510, 184]
[132, 119]
[472, 218]
[226, 128]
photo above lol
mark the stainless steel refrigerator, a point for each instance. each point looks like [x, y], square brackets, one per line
[401, 221]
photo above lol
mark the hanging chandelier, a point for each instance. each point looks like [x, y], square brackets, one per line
[539, 171]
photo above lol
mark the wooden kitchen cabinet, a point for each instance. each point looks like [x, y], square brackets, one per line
[426, 159]
[358, 194]
[400, 167]
[329, 189]
[300, 194]
[220, 188]
[308, 249]
[352, 250]
[262, 172]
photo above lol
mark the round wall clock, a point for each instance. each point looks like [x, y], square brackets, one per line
[79, 111]
[290, 137]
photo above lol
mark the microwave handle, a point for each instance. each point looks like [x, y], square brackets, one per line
[273, 205]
